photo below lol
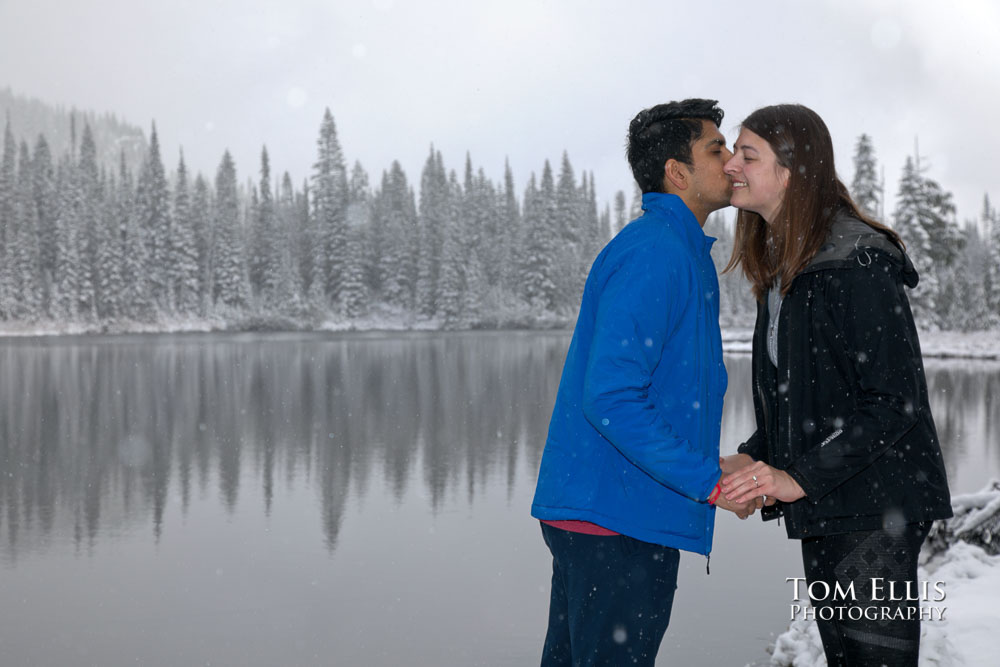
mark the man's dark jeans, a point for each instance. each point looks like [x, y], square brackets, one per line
[611, 599]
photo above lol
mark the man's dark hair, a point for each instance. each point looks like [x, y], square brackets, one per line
[663, 132]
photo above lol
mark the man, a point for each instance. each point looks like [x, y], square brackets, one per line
[630, 470]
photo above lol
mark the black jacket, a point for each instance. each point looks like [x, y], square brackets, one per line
[846, 412]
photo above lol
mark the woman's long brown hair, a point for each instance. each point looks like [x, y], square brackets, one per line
[779, 250]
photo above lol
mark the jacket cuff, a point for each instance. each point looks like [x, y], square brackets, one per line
[813, 492]
[751, 449]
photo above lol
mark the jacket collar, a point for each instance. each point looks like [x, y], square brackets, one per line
[679, 217]
[851, 240]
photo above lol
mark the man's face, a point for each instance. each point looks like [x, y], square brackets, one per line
[711, 186]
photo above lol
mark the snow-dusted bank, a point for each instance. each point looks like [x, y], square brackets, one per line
[963, 553]
[938, 344]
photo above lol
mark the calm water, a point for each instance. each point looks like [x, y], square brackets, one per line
[348, 500]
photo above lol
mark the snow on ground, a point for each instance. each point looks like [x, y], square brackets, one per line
[941, 344]
[964, 553]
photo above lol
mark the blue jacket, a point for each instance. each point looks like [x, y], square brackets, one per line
[633, 443]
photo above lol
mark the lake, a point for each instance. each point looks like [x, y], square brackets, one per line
[339, 499]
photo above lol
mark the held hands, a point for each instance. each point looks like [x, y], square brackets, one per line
[729, 465]
[742, 510]
[761, 482]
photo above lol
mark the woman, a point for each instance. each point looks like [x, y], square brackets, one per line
[845, 447]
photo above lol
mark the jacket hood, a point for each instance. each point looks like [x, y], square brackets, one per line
[851, 241]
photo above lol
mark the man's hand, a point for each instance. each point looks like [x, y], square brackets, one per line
[734, 462]
[742, 510]
[760, 480]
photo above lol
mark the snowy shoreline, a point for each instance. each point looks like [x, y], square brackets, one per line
[933, 344]
[962, 552]
[735, 340]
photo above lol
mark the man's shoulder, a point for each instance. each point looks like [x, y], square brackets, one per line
[643, 251]
[648, 235]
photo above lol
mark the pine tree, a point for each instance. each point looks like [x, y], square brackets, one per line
[451, 287]
[537, 267]
[595, 232]
[24, 248]
[434, 208]
[265, 244]
[201, 224]
[568, 251]
[620, 219]
[153, 209]
[330, 204]
[110, 259]
[289, 288]
[8, 205]
[228, 274]
[510, 216]
[990, 221]
[478, 230]
[184, 270]
[355, 296]
[636, 209]
[88, 208]
[965, 294]
[44, 194]
[137, 301]
[66, 287]
[396, 263]
[865, 188]
[923, 218]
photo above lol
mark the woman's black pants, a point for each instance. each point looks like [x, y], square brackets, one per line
[853, 578]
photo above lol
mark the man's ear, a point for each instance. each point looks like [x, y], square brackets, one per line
[676, 176]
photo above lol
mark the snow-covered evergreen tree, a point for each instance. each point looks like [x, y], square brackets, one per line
[201, 224]
[88, 209]
[288, 294]
[153, 209]
[990, 222]
[964, 300]
[540, 239]
[23, 244]
[68, 269]
[8, 206]
[44, 193]
[355, 297]
[397, 264]
[265, 242]
[110, 258]
[865, 188]
[184, 269]
[511, 232]
[228, 270]
[137, 302]
[330, 206]
[924, 219]
[433, 211]
[569, 232]
[595, 233]
[451, 289]
[636, 209]
[620, 216]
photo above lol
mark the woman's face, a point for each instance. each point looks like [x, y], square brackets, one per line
[759, 182]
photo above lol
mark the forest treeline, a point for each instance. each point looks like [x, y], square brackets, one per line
[99, 247]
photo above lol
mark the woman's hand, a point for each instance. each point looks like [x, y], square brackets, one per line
[734, 462]
[759, 480]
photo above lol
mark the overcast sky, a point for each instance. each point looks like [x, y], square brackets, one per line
[520, 79]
